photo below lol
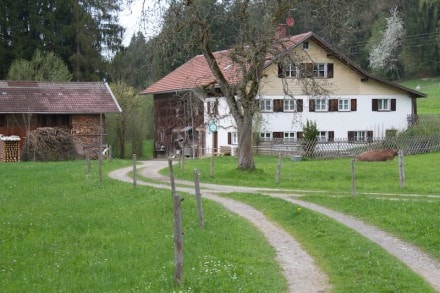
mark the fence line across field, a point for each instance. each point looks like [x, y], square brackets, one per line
[345, 148]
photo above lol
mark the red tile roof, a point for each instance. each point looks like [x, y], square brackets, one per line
[57, 98]
[196, 73]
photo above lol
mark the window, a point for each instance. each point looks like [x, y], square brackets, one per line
[265, 105]
[265, 136]
[360, 135]
[306, 45]
[289, 105]
[383, 105]
[289, 136]
[323, 70]
[305, 70]
[234, 138]
[344, 105]
[321, 105]
[322, 136]
[212, 107]
[291, 70]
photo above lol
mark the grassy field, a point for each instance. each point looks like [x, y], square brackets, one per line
[352, 263]
[331, 176]
[431, 87]
[410, 213]
[63, 230]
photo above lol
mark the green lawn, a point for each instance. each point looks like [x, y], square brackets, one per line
[63, 230]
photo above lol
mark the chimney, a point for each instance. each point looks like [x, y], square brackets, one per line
[281, 31]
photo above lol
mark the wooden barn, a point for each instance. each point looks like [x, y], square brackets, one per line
[79, 107]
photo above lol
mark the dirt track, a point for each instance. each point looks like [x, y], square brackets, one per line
[299, 269]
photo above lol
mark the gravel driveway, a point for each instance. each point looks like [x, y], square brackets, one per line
[298, 267]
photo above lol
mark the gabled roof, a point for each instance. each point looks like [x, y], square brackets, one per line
[196, 73]
[57, 98]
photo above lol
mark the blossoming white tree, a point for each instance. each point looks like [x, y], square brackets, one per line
[383, 55]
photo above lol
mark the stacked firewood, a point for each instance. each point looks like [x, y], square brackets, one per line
[9, 148]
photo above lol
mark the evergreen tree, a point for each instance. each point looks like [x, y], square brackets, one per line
[79, 32]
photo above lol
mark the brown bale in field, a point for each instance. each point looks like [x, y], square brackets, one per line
[377, 155]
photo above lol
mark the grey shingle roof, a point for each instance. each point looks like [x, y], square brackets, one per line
[57, 98]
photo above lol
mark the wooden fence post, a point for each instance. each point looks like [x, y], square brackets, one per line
[401, 169]
[277, 178]
[100, 165]
[134, 171]
[199, 199]
[353, 177]
[88, 166]
[178, 235]
[212, 162]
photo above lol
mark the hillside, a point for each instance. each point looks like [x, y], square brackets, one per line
[431, 87]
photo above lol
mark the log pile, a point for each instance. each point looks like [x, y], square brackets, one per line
[9, 148]
[49, 144]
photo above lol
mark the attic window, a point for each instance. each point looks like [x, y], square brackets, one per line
[306, 45]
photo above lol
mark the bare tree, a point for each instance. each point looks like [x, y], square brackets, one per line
[254, 32]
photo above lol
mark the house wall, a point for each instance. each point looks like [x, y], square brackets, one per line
[346, 83]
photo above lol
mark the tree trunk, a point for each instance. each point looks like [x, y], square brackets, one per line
[245, 153]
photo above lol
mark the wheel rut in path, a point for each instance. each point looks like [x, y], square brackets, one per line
[299, 269]
[418, 261]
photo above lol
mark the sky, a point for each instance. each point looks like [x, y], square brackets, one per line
[130, 19]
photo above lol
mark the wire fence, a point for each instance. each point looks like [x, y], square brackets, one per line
[345, 148]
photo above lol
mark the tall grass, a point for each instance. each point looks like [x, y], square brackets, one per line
[61, 230]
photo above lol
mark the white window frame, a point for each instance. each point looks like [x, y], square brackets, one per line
[321, 105]
[289, 105]
[360, 135]
[265, 136]
[289, 136]
[266, 105]
[320, 70]
[322, 136]
[234, 137]
[291, 70]
[344, 104]
[384, 104]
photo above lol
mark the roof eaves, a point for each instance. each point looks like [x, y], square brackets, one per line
[113, 97]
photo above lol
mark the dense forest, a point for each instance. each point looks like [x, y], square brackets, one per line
[84, 34]
[355, 27]
[81, 40]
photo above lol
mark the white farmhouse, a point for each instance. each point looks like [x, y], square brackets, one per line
[350, 104]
